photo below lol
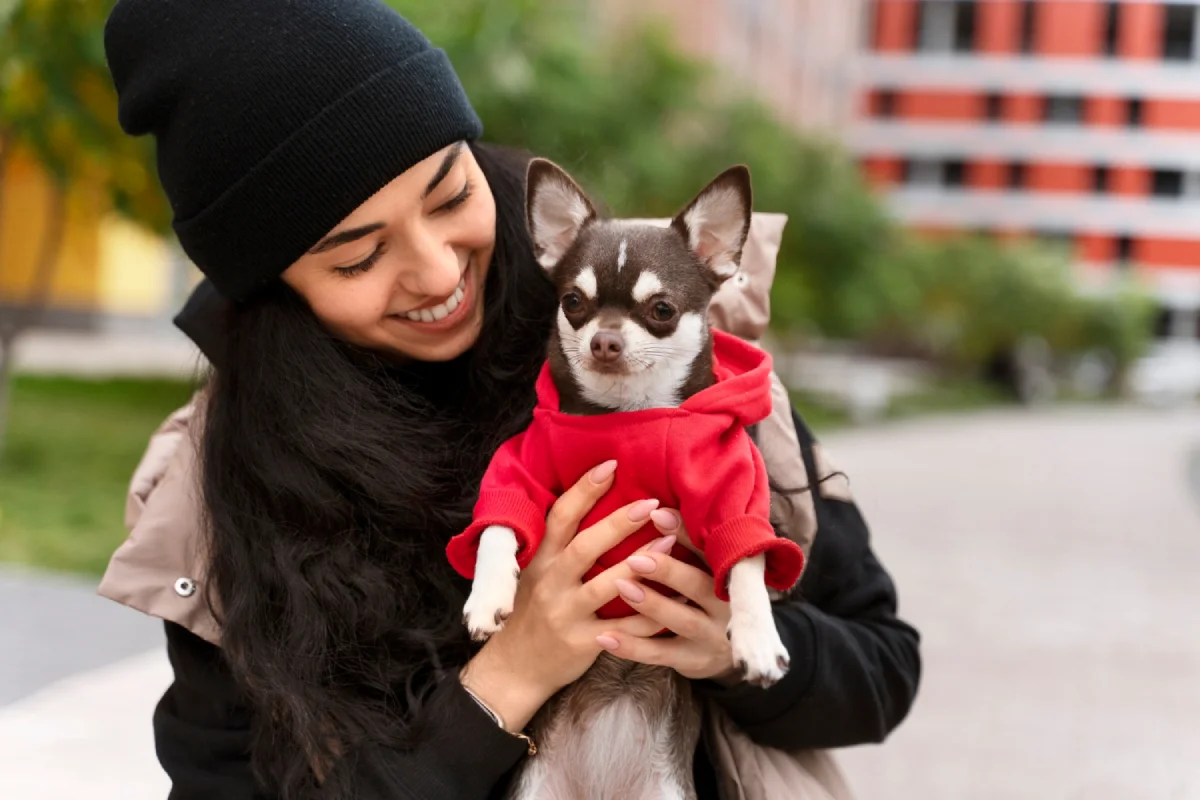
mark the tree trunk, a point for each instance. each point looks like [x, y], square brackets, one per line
[27, 314]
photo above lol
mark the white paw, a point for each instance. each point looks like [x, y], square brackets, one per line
[757, 649]
[495, 585]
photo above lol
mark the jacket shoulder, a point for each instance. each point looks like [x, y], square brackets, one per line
[160, 568]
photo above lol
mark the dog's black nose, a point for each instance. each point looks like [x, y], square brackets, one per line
[607, 346]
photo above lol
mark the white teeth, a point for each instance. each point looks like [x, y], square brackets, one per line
[439, 312]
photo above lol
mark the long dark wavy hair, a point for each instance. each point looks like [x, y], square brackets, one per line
[333, 479]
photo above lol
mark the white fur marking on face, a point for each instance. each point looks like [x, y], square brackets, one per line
[586, 281]
[715, 229]
[622, 254]
[659, 367]
[558, 213]
[646, 287]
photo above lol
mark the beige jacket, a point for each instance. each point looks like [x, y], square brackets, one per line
[160, 568]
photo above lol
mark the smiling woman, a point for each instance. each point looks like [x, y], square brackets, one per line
[403, 272]
[377, 320]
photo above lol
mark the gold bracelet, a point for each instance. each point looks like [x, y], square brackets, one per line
[530, 745]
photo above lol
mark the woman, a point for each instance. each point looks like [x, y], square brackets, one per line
[382, 323]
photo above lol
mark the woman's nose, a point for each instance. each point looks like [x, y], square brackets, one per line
[435, 272]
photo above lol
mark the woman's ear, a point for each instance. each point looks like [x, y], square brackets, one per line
[556, 210]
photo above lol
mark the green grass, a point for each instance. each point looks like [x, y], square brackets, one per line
[70, 449]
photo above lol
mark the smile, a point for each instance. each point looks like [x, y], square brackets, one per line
[443, 309]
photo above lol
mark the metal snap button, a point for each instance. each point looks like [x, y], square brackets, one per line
[741, 280]
[185, 587]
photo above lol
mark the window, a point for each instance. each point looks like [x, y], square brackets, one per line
[1133, 112]
[1163, 324]
[1016, 175]
[1112, 28]
[1179, 32]
[1100, 180]
[1167, 183]
[994, 107]
[1124, 249]
[1063, 109]
[946, 26]
[1028, 25]
[885, 104]
[964, 27]
[954, 174]
[923, 173]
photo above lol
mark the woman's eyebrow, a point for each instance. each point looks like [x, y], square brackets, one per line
[447, 164]
[342, 237]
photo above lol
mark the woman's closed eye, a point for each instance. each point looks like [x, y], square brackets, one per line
[362, 266]
[454, 202]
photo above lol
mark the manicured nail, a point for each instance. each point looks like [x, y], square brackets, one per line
[630, 591]
[642, 564]
[640, 512]
[665, 520]
[607, 642]
[603, 472]
[662, 545]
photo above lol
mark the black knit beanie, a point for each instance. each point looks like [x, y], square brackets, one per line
[275, 119]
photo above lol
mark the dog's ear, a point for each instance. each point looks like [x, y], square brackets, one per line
[556, 210]
[716, 223]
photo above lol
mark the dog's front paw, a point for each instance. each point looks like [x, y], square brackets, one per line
[757, 649]
[490, 603]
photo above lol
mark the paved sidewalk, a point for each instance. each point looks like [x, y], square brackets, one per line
[1050, 560]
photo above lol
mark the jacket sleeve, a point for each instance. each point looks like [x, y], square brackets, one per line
[721, 482]
[202, 731]
[516, 492]
[855, 665]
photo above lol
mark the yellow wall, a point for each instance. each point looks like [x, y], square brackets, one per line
[106, 264]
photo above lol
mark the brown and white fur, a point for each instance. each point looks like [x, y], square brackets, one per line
[632, 333]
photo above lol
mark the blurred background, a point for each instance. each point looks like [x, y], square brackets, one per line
[987, 304]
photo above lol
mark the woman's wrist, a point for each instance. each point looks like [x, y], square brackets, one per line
[505, 691]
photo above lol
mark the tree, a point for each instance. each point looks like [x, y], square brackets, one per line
[57, 103]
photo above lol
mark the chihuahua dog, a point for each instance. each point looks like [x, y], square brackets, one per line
[635, 373]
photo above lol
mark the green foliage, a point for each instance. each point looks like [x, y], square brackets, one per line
[643, 127]
[56, 98]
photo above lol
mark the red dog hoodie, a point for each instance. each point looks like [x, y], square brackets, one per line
[697, 458]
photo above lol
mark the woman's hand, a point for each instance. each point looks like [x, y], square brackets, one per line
[700, 648]
[551, 637]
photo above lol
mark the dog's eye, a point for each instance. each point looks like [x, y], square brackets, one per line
[571, 302]
[662, 311]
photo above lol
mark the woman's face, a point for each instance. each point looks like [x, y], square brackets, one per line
[404, 273]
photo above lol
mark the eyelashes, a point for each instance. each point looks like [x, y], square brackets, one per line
[450, 205]
[362, 266]
[458, 199]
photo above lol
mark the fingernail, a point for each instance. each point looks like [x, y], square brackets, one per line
[603, 472]
[662, 545]
[642, 564]
[640, 512]
[665, 520]
[607, 642]
[630, 591]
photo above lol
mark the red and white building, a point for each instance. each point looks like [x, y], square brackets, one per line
[1076, 120]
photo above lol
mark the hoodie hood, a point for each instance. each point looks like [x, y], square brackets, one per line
[742, 390]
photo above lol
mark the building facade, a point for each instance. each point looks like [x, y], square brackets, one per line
[798, 56]
[1073, 120]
